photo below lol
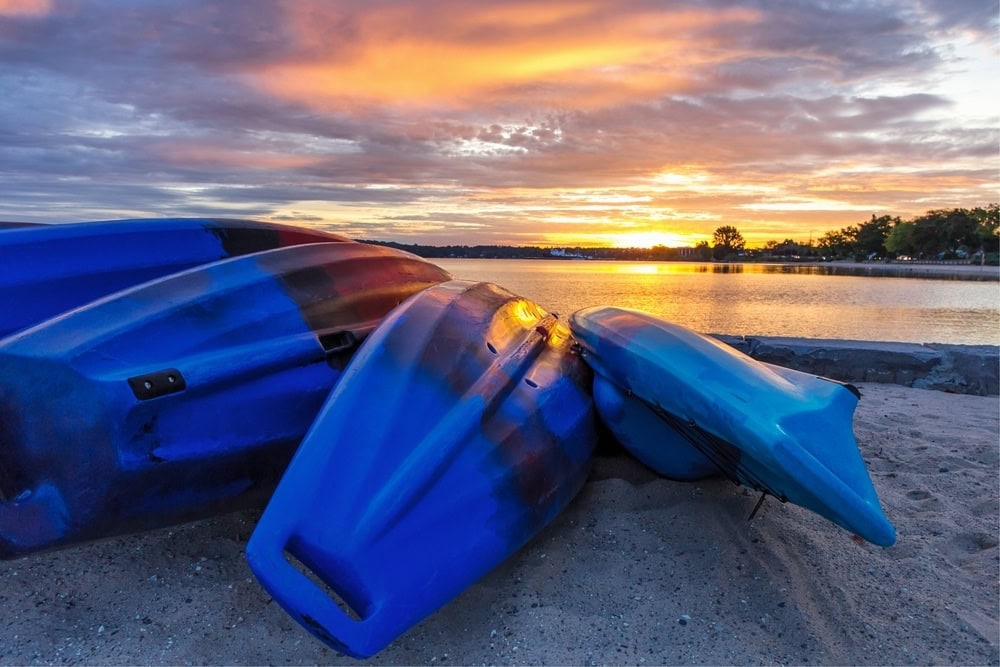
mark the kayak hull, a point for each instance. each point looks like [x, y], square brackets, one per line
[185, 396]
[647, 437]
[483, 431]
[785, 433]
[49, 269]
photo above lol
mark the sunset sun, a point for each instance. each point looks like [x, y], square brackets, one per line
[649, 240]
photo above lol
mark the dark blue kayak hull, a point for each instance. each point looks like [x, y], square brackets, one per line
[182, 397]
[461, 428]
[48, 269]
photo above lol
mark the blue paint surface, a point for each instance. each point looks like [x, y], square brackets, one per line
[48, 269]
[777, 430]
[246, 340]
[460, 429]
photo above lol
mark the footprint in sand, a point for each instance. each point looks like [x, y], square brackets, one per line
[964, 546]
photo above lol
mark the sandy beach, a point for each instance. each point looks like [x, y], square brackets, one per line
[639, 570]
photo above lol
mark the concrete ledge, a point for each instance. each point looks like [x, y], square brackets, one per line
[960, 369]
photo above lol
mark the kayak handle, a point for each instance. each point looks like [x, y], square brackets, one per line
[311, 605]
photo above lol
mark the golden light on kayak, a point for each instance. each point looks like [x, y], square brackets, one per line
[525, 312]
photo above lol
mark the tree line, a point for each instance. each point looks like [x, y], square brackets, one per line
[952, 234]
[946, 234]
[657, 253]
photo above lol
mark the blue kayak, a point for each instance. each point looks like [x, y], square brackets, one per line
[185, 396]
[689, 406]
[48, 269]
[460, 429]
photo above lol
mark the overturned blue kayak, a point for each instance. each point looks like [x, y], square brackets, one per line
[48, 269]
[689, 406]
[185, 396]
[461, 428]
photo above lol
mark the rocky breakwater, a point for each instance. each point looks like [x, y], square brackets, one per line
[961, 369]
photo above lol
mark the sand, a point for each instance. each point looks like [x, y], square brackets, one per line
[638, 570]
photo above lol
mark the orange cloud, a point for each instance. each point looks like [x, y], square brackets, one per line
[25, 7]
[444, 54]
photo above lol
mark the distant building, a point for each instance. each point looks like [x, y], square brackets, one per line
[562, 253]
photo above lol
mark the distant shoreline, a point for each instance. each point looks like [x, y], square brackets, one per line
[908, 269]
[902, 269]
[972, 272]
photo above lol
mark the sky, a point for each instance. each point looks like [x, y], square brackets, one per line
[558, 123]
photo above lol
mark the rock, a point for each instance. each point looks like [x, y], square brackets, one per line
[961, 369]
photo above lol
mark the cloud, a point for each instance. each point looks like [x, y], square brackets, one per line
[976, 16]
[484, 119]
[25, 8]
[449, 55]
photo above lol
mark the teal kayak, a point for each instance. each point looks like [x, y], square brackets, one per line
[690, 406]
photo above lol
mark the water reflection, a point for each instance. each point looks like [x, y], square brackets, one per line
[649, 268]
[758, 299]
[935, 271]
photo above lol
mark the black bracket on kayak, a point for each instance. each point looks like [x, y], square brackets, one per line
[160, 383]
[339, 346]
[338, 341]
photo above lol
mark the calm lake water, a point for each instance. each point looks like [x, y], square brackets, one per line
[755, 300]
